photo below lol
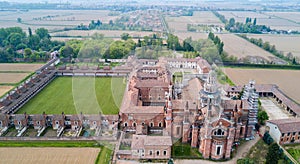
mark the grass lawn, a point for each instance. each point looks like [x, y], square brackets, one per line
[78, 94]
[185, 151]
[104, 156]
[295, 153]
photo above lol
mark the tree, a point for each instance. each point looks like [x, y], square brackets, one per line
[29, 31]
[42, 33]
[294, 61]
[27, 52]
[262, 116]
[254, 22]
[273, 154]
[187, 44]
[15, 39]
[124, 36]
[67, 51]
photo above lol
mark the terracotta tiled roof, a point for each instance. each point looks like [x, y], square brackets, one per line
[145, 109]
[238, 88]
[151, 83]
[158, 141]
[287, 125]
[140, 141]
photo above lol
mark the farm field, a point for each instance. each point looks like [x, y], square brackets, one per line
[285, 79]
[285, 43]
[48, 155]
[52, 19]
[241, 48]
[4, 89]
[194, 35]
[107, 33]
[293, 16]
[11, 78]
[19, 67]
[179, 24]
[274, 20]
[79, 94]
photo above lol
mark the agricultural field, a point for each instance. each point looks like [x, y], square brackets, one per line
[194, 35]
[19, 67]
[284, 43]
[4, 89]
[12, 78]
[11, 74]
[79, 94]
[241, 48]
[285, 79]
[292, 16]
[48, 155]
[52, 19]
[107, 33]
[179, 24]
[278, 21]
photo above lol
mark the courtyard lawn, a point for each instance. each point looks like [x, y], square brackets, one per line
[78, 94]
[185, 151]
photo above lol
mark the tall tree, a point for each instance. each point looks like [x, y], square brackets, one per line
[29, 31]
[273, 154]
[254, 22]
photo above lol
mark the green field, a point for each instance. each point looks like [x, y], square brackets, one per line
[73, 95]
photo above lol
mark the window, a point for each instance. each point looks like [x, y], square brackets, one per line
[165, 152]
[160, 124]
[19, 122]
[151, 124]
[38, 122]
[282, 134]
[218, 150]
[177, 130]
[134, 124]
[157, 152]
[125, 124]
[150, 152]
[143, 123]
[288, 134]
[76, 123]
[56, 122]
[94, 122]
[294, 133]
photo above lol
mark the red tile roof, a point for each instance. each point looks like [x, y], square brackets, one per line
[287, 125]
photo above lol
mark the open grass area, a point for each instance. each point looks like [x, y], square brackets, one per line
[185, 151]
[258, 152]
[104, 157]
[295, 153]
[79, 94]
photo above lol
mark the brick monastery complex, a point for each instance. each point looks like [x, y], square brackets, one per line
[157, 110]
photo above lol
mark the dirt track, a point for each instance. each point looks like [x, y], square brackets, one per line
[48, 155]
